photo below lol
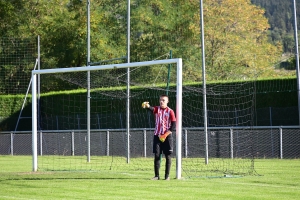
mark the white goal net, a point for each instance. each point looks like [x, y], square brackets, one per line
[112, 131]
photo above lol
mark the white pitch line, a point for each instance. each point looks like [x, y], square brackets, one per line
[10, 197]
[265, 185]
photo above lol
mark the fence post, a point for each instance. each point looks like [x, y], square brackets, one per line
[107, 143]
[231, 143]
[280, 142]
[41, 143]
[185, 143]
[145, 143]
[11, 143]
[271, 124]
[72, 143]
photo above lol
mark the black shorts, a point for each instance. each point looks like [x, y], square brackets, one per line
[165, 147]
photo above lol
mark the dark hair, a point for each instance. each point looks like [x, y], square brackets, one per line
[164, 95]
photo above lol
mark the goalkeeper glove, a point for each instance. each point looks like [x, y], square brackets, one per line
[145, 104]
[163, 137]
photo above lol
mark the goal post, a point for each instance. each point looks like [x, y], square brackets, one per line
[177, 61]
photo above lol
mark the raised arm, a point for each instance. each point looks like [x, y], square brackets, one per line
[146, 105]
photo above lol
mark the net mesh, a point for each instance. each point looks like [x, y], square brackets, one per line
[228, 106]
[17, 59]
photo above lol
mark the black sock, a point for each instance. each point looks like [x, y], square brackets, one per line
[168, 165]
[156, 165]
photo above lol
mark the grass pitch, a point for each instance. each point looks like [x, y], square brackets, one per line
[276, 179]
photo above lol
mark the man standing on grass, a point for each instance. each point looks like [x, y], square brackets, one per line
[165, 124]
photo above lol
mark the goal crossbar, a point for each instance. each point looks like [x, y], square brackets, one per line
[177, 61]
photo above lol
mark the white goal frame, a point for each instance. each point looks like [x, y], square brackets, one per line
[177, 61]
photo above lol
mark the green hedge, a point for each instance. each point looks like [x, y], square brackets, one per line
[269, 93]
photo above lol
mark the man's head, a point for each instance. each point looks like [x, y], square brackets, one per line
[163, 101]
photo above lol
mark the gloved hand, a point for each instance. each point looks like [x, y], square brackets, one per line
[145, 104]
[163, 137]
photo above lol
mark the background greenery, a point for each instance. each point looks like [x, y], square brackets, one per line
[236, 43]
[239, 45]
[280, 15]
[269, 93]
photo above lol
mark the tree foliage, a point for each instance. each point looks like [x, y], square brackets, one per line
[236, 40]
[280, 15]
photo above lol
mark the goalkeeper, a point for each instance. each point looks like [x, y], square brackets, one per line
[165, 124]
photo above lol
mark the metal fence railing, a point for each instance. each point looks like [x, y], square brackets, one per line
[266, 142]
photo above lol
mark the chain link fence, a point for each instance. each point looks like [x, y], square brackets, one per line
[268, 142]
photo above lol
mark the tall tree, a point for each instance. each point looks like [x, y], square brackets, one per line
[235, 34]
[280, 15]
[10, 12]
[237, 45]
